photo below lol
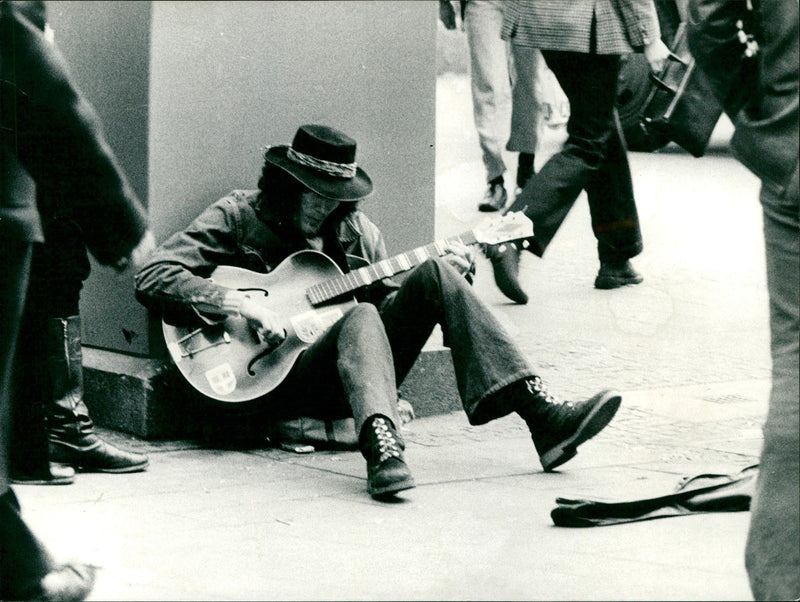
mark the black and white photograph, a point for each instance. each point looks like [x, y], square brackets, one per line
[399, 300]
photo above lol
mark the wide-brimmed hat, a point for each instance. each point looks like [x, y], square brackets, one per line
[324, 160]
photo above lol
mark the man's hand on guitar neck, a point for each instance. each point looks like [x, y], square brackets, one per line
[267, 324]
[461, 257]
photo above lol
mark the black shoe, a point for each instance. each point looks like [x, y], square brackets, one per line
[495, 198]
[524, 170]
[92, 454]
[505, 263]
[387, 471]
[557, 427]
[67, 583]
[614, 275]
[56, 474]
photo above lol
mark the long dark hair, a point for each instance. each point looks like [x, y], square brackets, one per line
[280, 198]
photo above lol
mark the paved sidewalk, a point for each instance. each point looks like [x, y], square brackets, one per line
[688, 348]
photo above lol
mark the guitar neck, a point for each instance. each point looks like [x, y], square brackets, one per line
[347, 283]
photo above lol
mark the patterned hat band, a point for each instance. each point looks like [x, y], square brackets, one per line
[345, 171]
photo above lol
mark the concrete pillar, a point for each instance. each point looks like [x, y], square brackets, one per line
[191, 92]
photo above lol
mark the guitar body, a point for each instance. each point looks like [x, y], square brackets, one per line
[227, 361]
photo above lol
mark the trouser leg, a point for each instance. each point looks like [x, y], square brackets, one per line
[347, 371]
[15, 257]
[525, 112]
[589, 81]
[489, 56]
[485, 358]
[23, 559]
[30, 387]
[612, 205]
[773, 544]
[52, 337]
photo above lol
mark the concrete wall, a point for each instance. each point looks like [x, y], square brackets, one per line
[191, 92]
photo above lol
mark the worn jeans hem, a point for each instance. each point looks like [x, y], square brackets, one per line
[484, 416]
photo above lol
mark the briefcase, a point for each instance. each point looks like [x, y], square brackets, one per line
[681, 105]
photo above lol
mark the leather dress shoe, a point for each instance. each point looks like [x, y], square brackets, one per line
[505, 263]
[56, 474]
[92, 454]
[614, 275]
[495, 198]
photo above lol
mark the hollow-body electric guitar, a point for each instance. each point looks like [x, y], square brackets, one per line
[228, 362]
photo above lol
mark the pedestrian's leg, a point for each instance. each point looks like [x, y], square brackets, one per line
[773, 544]
[615, 220]
[483, 21]
[15, 258]
[525, 112]
[60, 267]
[589, 83]
[23, 560]
[550, 194]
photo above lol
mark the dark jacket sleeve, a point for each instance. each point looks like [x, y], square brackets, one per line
[760, 94]
[59, 140]
[640, 22]
[175, 277]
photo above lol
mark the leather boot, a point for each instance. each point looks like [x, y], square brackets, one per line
[382, 446]
[73, 440]
[559, 427]
[505, 263]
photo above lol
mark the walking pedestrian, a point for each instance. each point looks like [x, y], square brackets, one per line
[47, 130]
[494, 70]
[750, 52]
[582, 41]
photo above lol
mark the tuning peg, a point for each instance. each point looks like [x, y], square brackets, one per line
[526, 243]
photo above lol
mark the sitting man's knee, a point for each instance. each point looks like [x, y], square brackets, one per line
[364, 312]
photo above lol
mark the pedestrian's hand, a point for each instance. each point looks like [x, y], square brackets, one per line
[461, 257]
[656, 54]
[135, 260]
[447, 14]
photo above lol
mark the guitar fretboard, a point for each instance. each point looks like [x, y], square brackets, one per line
[347, 283]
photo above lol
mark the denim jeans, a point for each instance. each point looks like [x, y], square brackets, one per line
[594, 159]
[355, 368]
[773, 544]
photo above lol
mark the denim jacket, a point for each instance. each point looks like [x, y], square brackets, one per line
[232, 232]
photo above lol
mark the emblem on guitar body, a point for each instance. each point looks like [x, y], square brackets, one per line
[221, 379]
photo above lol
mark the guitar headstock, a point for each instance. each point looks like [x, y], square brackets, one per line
[511, 226]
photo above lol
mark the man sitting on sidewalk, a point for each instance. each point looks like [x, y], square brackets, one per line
[307, 199]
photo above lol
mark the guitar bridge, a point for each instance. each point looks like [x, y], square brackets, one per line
[181, 348]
